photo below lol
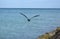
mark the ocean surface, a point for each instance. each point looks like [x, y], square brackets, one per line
[13, 25]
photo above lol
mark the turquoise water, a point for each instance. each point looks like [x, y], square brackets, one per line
[15, 26]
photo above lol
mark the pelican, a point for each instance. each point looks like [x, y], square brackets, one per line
[28, 18]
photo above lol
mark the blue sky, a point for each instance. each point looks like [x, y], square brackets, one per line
[29, 3]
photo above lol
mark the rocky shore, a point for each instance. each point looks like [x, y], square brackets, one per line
[55, 34]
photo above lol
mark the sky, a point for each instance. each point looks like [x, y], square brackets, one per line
[29, 3]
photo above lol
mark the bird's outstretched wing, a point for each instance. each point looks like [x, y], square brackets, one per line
[24, 15]
[35, 16]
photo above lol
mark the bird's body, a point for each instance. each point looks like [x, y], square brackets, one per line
[28, 18]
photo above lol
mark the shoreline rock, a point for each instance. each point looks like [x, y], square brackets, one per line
[49, 35]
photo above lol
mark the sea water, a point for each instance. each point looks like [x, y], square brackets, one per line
[13, 25]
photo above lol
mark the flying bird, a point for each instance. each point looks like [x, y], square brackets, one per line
[28, 18]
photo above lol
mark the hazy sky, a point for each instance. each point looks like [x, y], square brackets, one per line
[29, 3]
